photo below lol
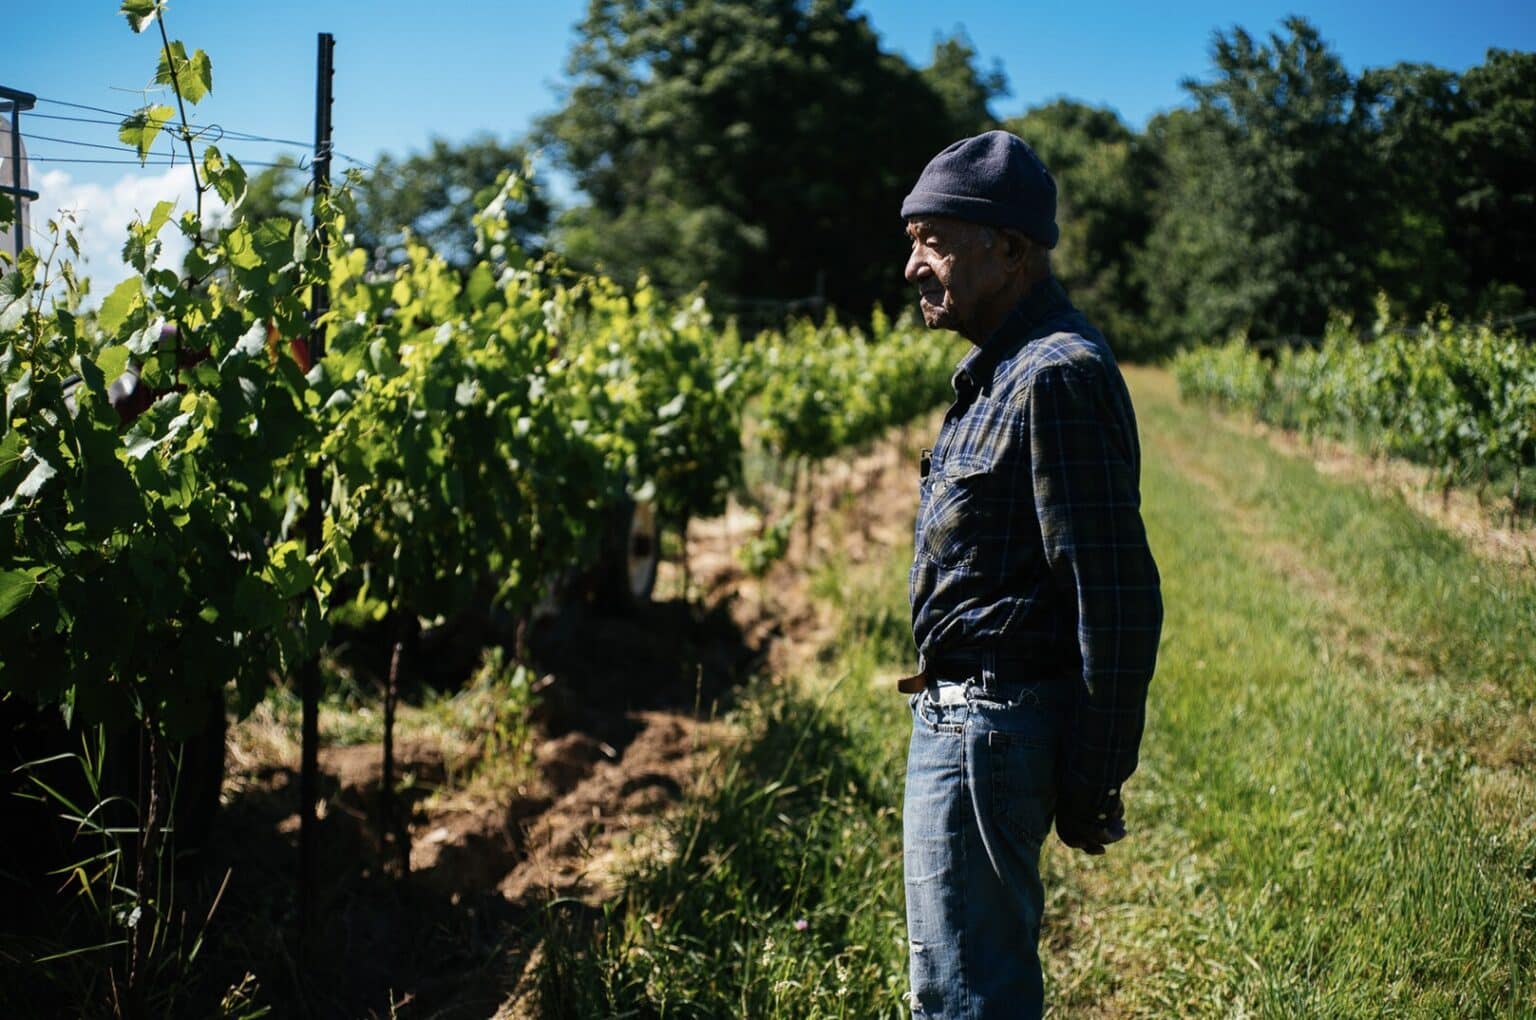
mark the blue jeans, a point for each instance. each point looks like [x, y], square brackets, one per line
[980, 798]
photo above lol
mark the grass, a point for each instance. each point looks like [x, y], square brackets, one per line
[482, 729]
[781, 895]
[1333, 817]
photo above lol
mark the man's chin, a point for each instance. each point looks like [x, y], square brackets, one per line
[936, 316]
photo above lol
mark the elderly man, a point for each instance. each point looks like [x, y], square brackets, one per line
[1035, 601]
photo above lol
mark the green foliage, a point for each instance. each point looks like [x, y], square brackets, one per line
[276, 191]
[1231, 374]
[1293, 189]
[1410, 110]
[823, 388]
[1288, 189]
[1461, 398]
[474, 429]
[1494, 215]
[652, 375]
[758, 554]
[140, 13]
[1104, 180]
[142, 128]
[756, 147]
[428, 198]
[456, 479]
[191, 76]
[966, 92]
[158, 557]
[432, 198]
[1264, 196]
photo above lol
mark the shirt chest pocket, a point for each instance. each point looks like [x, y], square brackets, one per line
[961, 519]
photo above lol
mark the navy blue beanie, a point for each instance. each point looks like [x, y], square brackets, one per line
[993, 178]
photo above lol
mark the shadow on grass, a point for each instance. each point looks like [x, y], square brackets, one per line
[780, 896]
[444, 942]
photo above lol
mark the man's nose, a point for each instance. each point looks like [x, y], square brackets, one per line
[915, 267]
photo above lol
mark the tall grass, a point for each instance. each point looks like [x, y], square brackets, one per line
[1331, 817]
[781, 893]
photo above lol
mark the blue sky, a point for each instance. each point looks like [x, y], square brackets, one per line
[405, 72]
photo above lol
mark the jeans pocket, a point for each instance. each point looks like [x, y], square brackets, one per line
[937, 717]
[1011, 698]
[1023, 785]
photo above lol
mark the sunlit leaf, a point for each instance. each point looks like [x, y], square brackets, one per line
[140, 13]
[125, 299]
[112, 361]
[33, 483]
[193, 77]
[142, 128]
[15, 587]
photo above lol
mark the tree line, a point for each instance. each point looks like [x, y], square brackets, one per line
[763, 148]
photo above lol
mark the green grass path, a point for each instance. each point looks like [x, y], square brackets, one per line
[1334, 816]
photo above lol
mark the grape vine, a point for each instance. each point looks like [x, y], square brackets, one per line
[1458, 397]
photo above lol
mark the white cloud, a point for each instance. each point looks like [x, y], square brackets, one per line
[103, 213]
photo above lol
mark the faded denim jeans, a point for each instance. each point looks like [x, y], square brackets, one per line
[980, 798]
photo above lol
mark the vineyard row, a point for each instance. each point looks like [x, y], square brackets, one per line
[473, 432]
[1457, 397]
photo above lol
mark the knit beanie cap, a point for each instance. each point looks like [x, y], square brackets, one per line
[993, 178]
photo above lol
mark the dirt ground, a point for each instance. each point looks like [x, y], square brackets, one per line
[628, 720]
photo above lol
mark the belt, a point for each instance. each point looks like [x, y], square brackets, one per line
[965, 663]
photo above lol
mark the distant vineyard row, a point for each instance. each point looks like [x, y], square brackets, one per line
[472, 432]
[1460, 398]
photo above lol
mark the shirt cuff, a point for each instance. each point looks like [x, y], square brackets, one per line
[1087, 804]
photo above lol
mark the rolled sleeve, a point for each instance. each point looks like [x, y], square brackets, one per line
[1086, 476]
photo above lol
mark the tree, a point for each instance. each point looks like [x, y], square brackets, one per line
[277, 190]
[1495, 212]
[1269, 200]
[966, 93]
[1104, 181]
[1409, 112]
[435, 194]
[763, 146]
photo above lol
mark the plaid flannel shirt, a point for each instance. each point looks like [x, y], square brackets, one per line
[1029, 537]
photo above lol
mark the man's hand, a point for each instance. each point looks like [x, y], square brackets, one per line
[1092, 834]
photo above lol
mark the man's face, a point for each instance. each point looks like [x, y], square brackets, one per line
[958, 267]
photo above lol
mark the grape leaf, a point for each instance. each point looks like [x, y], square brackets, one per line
[32, 484]
[142, 128]
[159, 217]
[112, 361]
[124, 300]
[192, 76]
[289, 570]
[226, 176]
[15, 587]
[140, 13]
[18, 393]
[241, 248]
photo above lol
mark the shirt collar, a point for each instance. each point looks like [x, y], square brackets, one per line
[1045, 300]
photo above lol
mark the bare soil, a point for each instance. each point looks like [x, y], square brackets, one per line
[628, 721]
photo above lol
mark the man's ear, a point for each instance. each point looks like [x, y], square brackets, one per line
[1016, 246]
